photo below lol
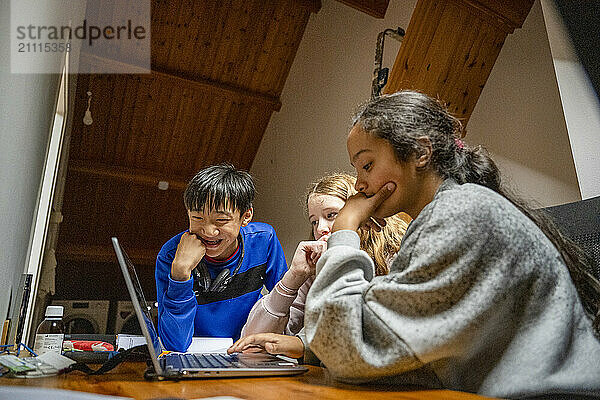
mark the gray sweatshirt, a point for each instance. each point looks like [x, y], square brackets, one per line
[478, 300]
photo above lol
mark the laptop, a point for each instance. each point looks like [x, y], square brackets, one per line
[178, 366]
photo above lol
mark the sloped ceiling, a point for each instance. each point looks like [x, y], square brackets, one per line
[218, 69]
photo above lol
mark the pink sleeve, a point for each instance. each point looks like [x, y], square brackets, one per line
[296, 321]
[281, 311]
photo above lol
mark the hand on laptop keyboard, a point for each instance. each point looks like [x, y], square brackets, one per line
[290, 346]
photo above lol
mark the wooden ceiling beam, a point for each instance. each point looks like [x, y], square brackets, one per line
[126, 174]
[374, 8]
[511, 13]
[92, 62]
[223, 89]
[451, 46]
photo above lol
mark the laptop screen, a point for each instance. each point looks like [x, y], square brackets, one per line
[139, 303]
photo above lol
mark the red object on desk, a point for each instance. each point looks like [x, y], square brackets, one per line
[87, 345]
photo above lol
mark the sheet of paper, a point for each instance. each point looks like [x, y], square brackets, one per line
[199, 344]
[56, 360]
[209, 345]
[128, 341]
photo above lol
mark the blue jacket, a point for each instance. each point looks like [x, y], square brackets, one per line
[182, 315]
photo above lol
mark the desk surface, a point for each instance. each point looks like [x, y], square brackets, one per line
[127, 380]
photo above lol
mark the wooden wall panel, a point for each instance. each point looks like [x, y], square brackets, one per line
[511, 12]
[99, 281]
[101, 206]
[450, 48]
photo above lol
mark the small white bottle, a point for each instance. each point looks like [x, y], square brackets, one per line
[51, 332]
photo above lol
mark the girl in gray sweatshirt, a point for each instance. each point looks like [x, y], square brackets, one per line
[484, 295]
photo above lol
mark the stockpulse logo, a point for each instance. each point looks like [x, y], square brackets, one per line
[84, 31]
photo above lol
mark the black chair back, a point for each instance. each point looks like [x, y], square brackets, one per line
[580, 222]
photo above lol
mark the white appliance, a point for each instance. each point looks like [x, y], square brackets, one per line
[126, 321]
[84, 316]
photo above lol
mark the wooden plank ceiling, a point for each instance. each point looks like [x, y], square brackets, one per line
[451, 46]
[218, 70]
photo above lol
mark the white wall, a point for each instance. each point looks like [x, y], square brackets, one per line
[27, 109]
[518, 116]
[579, 101]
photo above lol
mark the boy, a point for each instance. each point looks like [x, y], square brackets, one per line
[209, 277]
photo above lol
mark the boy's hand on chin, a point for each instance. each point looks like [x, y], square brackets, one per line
[190, 251]
[359, 211]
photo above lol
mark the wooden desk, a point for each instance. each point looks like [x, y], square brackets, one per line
[127, 380]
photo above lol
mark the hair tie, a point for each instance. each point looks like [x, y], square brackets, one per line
[459, 143]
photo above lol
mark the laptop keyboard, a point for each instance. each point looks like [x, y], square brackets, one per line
[194, 361]
[188, 361]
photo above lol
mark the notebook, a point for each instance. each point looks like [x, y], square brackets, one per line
[195, 365]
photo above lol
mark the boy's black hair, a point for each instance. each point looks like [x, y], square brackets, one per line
[220, 186]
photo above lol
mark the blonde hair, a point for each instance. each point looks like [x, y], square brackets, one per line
[380, 246]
